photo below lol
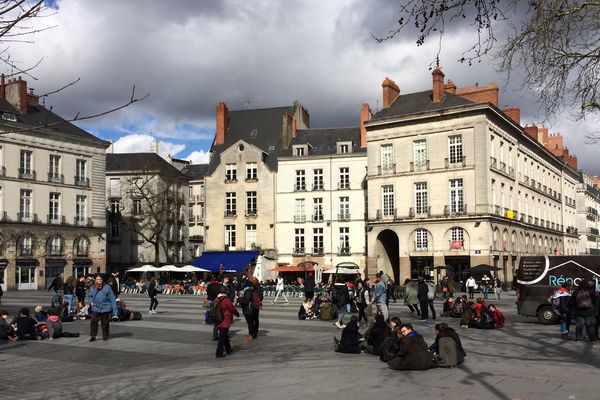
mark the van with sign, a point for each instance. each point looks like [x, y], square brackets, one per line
[539, 276]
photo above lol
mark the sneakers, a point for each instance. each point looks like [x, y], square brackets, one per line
[92, 339]
[248, 338]
[150, 312]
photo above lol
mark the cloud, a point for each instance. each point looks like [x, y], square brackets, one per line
[198, 157]
[137, 143]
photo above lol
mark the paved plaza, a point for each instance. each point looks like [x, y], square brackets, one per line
[171, 356]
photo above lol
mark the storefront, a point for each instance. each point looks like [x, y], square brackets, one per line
[53, 269]
[421, 266]
[25, 274]
[82, 267]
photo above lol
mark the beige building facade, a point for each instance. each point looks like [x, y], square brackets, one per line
[588, 203]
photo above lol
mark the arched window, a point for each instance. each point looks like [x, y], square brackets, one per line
[25, 245]
[54, 246]
[421, 239]
[82, 245]
[457, 238]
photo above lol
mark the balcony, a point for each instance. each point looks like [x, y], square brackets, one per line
[593, 231]
[25, 251]
[317, 251]
[82, 221]
[317, 217]
[251, 178]
[455, 209]
[419, 212]
[343, 185]
[27, 218]
[56, 178]
[455, 162]
[318, 186]
[2, 172]
[299, 218]
[386, 213]
[82, 181]
[526, 179]
[299, 251]
[344, 216]
[230, 214]
[4, 217]
[344, 251]
[571, 230]
[420, 166]
[230, 179]
[300, 187]
[251, 213]
[27, 174]
[493, 163]
[592, 213]
[56, 219]
[386, 169]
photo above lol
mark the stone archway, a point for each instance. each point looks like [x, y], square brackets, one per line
[387, 249]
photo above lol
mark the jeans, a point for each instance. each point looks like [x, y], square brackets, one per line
[382, 308]
[590, 327]
[280, 292]
[471, 291]
[342, 311]
[70, 299]
[424, 311]
[485, 290]
[104, 319]
[252, 321]
[565, 323]
[431, 307]
[223, 342]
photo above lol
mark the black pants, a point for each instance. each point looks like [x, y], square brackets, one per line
[361, 312]
[104, 318]
[413, 308]
[252, 321]
[431, 307]
[309, 295]
[223, 342]
[471, 292]
[153, 303]
[590, 327]
[424, 311]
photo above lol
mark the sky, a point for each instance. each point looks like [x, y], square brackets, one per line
[188, 55]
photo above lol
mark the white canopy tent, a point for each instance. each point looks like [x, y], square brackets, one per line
[144, 268]
[191, 268]
[168, 268]
[342, 271]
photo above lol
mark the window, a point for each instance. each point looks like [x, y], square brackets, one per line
[318, 179]
[387, 199]
[344, 248]
[421, 239]
[421, 207]
[114, 206]
[26, 245]
[230, 236]
[299, 150]
[114, 229]
[457, 204]
[344, 208]
[54, 169]
[25, 206]
[115, 188]
[137, 187]
[137, 207]
[230, 204]
[80, 212]
[251, 171]
[344, 178]
[455, 149]
[251, 203]
[456, 238]
[420, 154]
[54, 208]
[299, 210]
[387, 157]
[299, 241]
[318, 209]
[343, 148]
[25, 170]
[254, 133]
[191, 214]
[82, 246]
[55, 245]
[250, 236]
[300, 180]
[318, 241]
[231, 172]
[80, 175]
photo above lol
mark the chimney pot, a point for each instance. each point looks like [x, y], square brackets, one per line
[390, 92]
[222, 123]
[365, 115]
[438, 85]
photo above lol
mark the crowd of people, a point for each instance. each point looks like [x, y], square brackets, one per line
[582, 305]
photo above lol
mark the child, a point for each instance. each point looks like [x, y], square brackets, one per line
[40, 315]
[55, 328]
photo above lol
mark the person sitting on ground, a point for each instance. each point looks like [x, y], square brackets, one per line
[413, 353]
[6, 330]
[351, 337]
[467, 315]
[391, 344]
[448, 305]
[499, 318]
[447, 347]
[306, 310]
[55, 328]
[480, 304]
[40, 315]
[485, 320]
[24, 326]
[82, 311]
[458, 307]
[375, 336]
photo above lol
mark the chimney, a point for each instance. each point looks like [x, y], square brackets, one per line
[294, 127]
[543, 136]
[532, 131]
[154, 146]
[222, 123]
[365, 115]
[110, 149]
[15, 92]
[450, 87]
[438, 85]
[287, 129]
[480, 94]
[390, 92]
[513, 113]
[2, 85]
[555, 144]
[32, 99]
[571, 161]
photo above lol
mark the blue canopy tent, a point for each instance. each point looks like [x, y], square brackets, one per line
[232, 261]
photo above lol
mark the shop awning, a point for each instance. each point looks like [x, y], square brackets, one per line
[231, 261]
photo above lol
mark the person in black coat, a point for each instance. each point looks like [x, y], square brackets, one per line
[309, 286]
[251, 302]
[413, 353]
[341, 298]
[152, 293]
[583, 305]
[350, 341]
[212, 291]
[422, 290]
[376, 335]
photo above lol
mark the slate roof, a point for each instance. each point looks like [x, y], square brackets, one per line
[323, 141]
[196, 171]
[140, 162]
[420, 102]
[267, 122]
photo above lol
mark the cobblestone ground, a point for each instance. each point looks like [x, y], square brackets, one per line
[171, 355]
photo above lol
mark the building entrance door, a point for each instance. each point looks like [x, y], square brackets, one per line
[25, 277]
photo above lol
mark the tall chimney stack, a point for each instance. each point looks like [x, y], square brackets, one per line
[365, 115]
[222, 123]
[390, 92]
[438, 85]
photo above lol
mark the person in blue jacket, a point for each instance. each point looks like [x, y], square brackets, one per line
[103, 302]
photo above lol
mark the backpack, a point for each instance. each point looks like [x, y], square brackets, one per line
[255, 302]
[207, 319]
[216, 313]
[583, 299]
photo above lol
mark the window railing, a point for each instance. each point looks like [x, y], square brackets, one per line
[28, 174]
[455, 162]
[317, 217]
[4, 217]
[344, 251]
[419, 212]
[55, 250]
[230, 214]
[343, 185]
[299, 251]
[386, 169]
[56, 178]
[82, 181]
[317, 251]
[300, 187]
[251, 179]
[82, 221]
[344, 216]
[318, 186]
[251, 212]
[493, 163]
[56, 219]
[455, 209]
[230, 179]
[26, 251]
[456, 244]
[2, 171]
[26, 217]
[299, 218]
[386, 213]
[419, 166]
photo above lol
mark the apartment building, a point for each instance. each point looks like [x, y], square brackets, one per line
[588, 203]
[52, 193]
[453, 182]
[147, 211]
[320, 198]
[197, 206]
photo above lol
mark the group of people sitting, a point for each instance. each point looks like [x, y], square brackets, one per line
[400, 345]
[25, 327]
[480, 314]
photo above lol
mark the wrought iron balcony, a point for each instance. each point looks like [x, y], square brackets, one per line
[419, 212]
[317, 251]
[455, 162]
[386, 169]
[57, 219]
[27, 174]
[230, 214]
[25, 251]
[318, 217]
[27, 218]
[420, 166]
[318, 186]
[300, 187]
[82, 181]
[56, 178]
[386, 213]
[344, 251]
[299, 251]
[455, 209]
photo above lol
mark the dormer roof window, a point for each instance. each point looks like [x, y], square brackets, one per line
[344, 147]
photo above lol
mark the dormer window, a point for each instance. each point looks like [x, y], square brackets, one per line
[344, 147]
[9, 117]
[254, 133]
[300, 150]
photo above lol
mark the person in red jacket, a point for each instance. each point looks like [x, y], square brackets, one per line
[228, 311]
[499, 319]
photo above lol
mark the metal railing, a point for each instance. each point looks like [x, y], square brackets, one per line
[455, 209]
[317, 217]
[422, 166]
[300, 187]
[28, 174]
[318, 186]
[386, 214]
[344, 251]
[386, 169]
[230, 214]
[457, 162]
[56, 178]
[82, 181]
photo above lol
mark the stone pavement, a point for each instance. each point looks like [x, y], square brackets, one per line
[171, 355]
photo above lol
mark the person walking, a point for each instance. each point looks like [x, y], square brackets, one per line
[251, 302]
[57, 285]
[341, 298]
[583, 305]
[212, 291]
[560, 300]
[485, 285]
[431, 296]
[228, 310]
[422, 296]
[103, 302]
[153, 294]
[410, 296]
[497, 288]
[471, 286]
[362, 301]
[380, 297]
[309, 286]
[69, 291]
[279, 288]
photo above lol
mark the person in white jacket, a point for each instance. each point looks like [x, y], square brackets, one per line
[279, 290]
[471, 286]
